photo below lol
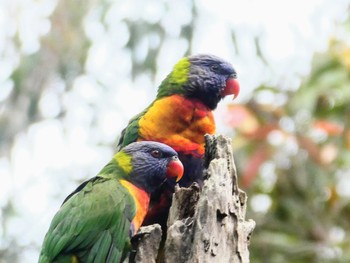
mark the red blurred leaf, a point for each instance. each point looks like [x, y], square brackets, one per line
[322, 155]
[262, 132]
[242, 118]
[312, 148]
[247, 124]
[329, 127]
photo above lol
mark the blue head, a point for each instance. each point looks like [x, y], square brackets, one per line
[149, 164]
[209, 79]
[204, 77]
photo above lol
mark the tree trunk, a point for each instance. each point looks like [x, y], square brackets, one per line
[207, 225]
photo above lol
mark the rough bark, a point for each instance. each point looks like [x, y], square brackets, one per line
[146, 243]
[208, 225]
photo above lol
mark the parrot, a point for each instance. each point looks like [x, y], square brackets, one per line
[180, 116]
[97, 221]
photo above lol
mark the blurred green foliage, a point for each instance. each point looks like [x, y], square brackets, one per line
[293, 157]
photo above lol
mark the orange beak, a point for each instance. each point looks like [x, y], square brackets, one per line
[232, 87]
[175, 169]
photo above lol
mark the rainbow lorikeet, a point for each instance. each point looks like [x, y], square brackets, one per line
[95, 223]
[180, 116]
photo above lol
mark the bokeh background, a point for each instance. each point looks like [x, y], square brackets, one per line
[72, 73]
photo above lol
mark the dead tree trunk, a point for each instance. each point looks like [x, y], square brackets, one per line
[207, 225]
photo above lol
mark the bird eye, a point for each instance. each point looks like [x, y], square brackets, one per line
[156, 154]
[214, 67]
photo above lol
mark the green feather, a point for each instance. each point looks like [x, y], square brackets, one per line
[172, 84]
[179, 75]
[124, 161]
[131, 132]
[94, 223]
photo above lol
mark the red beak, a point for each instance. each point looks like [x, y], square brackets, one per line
[175, 169]
[232, 87]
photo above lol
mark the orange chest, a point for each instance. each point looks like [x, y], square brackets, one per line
[178, 122]
[141, 199]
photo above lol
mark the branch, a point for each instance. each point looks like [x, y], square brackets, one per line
[209, 225]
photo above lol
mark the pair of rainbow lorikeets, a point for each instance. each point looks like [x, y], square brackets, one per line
[96, 222]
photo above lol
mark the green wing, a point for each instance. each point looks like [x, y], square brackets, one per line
[94, 224]
[131, 132]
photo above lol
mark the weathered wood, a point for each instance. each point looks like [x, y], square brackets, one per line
[209, 225]
[147, 242]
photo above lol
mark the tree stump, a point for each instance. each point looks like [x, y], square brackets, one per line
[146, 242]
[208, 225]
